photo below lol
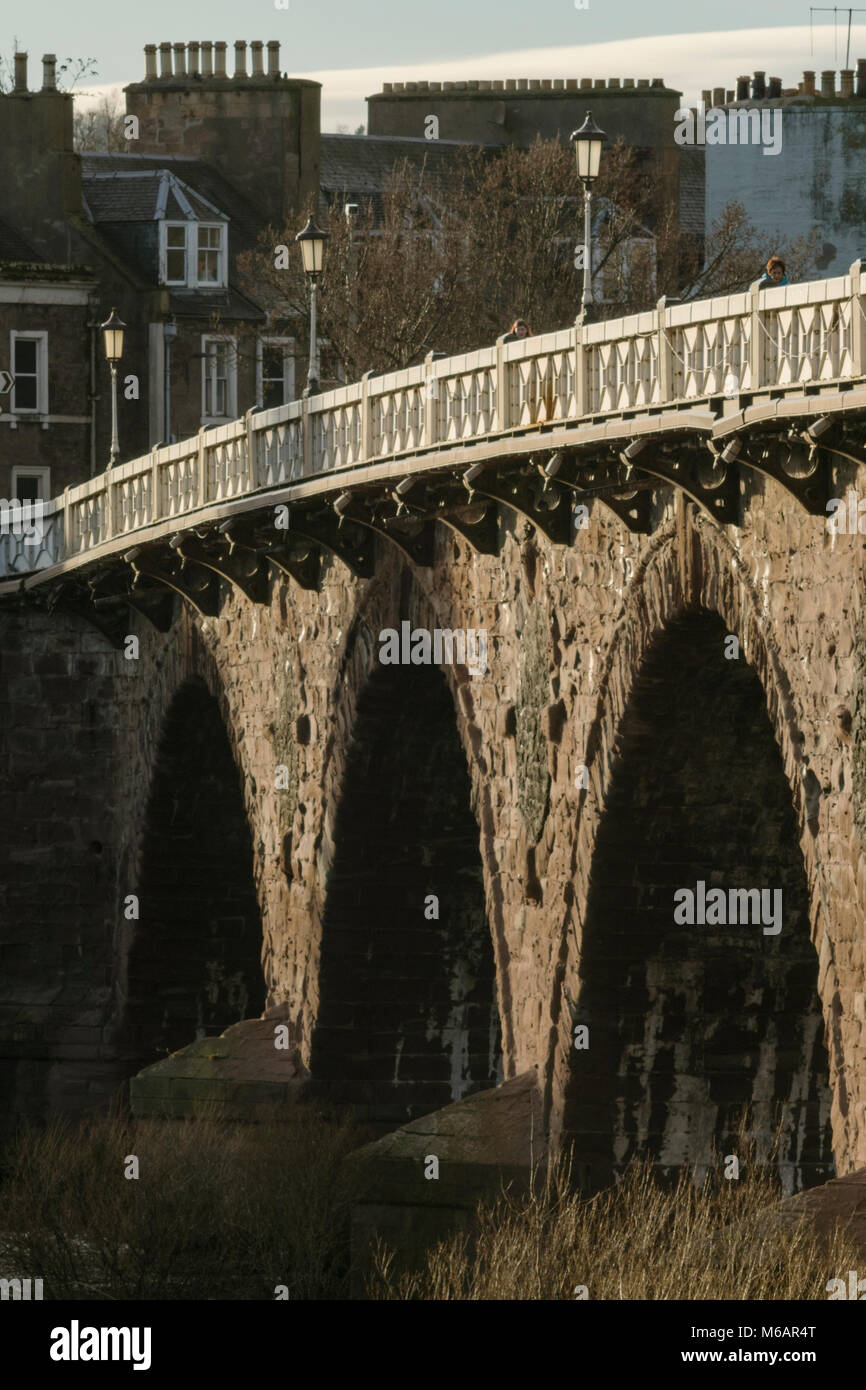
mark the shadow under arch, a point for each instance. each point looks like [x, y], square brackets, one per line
[691, 1022]
[191, 963]
[408, 1019]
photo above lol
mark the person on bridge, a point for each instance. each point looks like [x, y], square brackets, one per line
[519, 329]
[775, 274]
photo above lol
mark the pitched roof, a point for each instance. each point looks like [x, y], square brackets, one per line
[13, 246]
[143, 195]
[360, 166]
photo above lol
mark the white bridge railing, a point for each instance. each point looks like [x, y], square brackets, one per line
[675, 355]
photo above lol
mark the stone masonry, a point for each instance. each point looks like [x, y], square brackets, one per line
[609, 656]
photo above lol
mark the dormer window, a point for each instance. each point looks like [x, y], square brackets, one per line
[194, 254]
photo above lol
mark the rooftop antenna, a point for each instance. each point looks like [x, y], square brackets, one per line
[834, 11]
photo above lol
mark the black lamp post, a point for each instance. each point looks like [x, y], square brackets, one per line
[113, 330]
[312, 242]
[587, 142]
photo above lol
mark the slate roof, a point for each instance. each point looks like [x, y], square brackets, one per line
[142, 195]
[692, 190]
[358, 167]
[13, 246]
[195, 174]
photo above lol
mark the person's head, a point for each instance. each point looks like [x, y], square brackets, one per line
[776, 269]
[521, 328]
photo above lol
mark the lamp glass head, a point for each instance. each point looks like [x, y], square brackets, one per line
[113, 339]
[588, 142]
[312, 243]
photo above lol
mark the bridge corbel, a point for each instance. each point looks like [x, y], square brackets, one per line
[197, 585]
[241, 567]
[415, 540]
[604, 482]
[297, 558]
[798, 466]
[542, 502]
[712, 484]
[348, 542]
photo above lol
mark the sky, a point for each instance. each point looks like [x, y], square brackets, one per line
[352, 46]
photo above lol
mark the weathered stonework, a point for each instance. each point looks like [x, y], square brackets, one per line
[570, 631]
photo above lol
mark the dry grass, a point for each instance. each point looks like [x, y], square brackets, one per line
[641, 1239]
[219, 1210]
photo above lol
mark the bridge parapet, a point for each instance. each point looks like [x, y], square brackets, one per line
[713, 351]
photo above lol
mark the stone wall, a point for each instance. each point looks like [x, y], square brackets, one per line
[569, 633]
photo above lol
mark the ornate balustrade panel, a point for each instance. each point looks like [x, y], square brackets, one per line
[33, 547]
[739, 344]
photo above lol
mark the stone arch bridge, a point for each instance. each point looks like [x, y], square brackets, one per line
[438, 876]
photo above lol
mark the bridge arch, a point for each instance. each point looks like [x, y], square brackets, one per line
[664, 1079]
[190, 963]
[409, 975]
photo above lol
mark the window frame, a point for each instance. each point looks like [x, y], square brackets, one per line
[229, 342]
[274, 340]
[28, 470]
[40, 336]
[190, 254]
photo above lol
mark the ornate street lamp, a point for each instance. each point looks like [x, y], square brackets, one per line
[312, 242]
[587, 142]
[113, 330]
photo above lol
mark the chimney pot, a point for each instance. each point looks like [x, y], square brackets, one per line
[180, 60]
[425, 86]
[192, 59]
[207, 58]
[21, 72]
[847, 82]
[435, 86]
[774, 87]
[220, 59]
[49, 79]
[759, 86]
[273, 58]
[149, 62]
[558, 84]
[641, 82]
[599, 82]
[522, 84]
[657, 82]
[240, 58]
[585, 83]
[613, 82]
[861, 77]
[828, 82]
[707, 98]
[446, 86]
[730, 96]
[718, 96]
[256, 49]
[808, 87]
[534, 84]
[742, 89]
[164, 61]
[571, 84]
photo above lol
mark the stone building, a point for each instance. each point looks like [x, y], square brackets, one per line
[817, 181]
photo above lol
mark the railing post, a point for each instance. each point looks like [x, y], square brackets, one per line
[431, 402]
[251, 450]
[155, 490]
[757, 353]
[110, 520]
[664, 352]
[306, 437]
[580, 381]
[503, 398]
[366, 419]
[201, 471]
[857, 334]
[67, 524]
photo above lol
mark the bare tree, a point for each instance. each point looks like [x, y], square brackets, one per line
[99, 128]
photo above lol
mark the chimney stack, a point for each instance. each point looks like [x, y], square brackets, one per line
[847, 82]
[742, 89]
[808, 84]
[21, 72]
[49, 79]
[861, 77]
[273, 58]
[828, 82]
